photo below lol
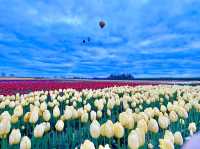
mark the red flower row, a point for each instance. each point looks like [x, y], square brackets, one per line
[10, 87]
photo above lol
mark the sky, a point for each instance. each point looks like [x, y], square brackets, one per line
[147, 38]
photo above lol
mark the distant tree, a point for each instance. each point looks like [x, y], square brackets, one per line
[120, 77]
[11, 75]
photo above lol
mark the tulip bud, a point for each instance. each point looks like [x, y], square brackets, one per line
[59, 125]
[109, 129]
[182, 112]
[87, 107]
[166, 144]
[141, 136]
[34, 115]
[87, 145]
[108, 112]
[178, 139]
[46, 115]
[118, 130]
[99, 114]
[27, 117]
[84, 117]
[68, 113]
[150, 146]
[95, 129]
[143, 125]
[14, 119]
[25, 143]
[5, 115]
[163, 122]
[56, 112]
[43, 106]
[18, 111]
[5, 127]
[169, 136]
[126, 119]
[133, 140]
[163, 109]
[153, 126]
[173, 116]
[15, 137]
[93, 115]
[38, 131]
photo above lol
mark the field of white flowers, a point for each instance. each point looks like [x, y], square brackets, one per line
[159, 116]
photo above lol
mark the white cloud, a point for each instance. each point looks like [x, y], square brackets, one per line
[157, 39]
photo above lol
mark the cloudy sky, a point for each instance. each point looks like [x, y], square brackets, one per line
[148, 38]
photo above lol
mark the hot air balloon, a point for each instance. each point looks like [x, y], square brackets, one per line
[102, 24]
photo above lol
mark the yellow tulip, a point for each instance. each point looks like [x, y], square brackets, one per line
[109, 129]
[141, 136]
[163, 109]
[43, 106]
[126, 119]
[178, 139]
[153, 126]
[87, 145]
[5, 115]
[34, 115]
[18, 111]
[14, 137]
[118, 130]
[93, 115]
[95, 129]
[46, 126]
[84, 117]
[38, 131]
[99, 114]
[68, 113]
[143, 125]
[169, 136]
[133, 140]
[27, 117]
[14, 119]
[25, 143]
[56, 112]
[46, 115]
[163, 122]
[166, 144]
[5, 127]
[59, 125]
[173, 116]
[102, 130]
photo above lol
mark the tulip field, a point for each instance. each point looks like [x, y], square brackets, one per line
[123, 116]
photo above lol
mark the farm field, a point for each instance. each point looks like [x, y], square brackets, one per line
[44, 114]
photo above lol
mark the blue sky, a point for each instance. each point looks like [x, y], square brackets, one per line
[148, 38]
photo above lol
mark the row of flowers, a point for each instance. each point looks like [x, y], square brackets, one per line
[160, 116]
[10, 87]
